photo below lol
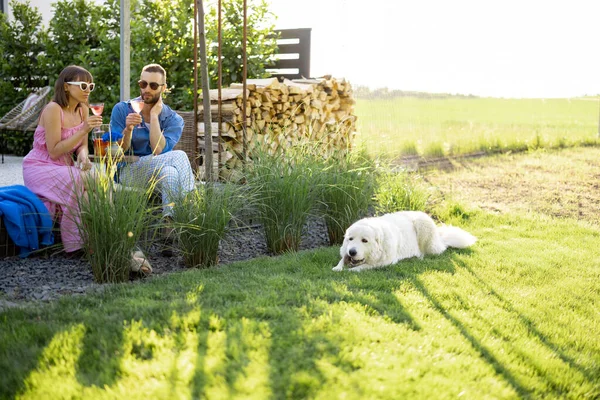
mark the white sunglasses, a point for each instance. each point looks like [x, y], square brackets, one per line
[84, 85]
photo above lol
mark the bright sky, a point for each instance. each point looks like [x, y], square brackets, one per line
[501, 48]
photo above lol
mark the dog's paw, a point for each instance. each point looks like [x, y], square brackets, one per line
[356, 269]
[337, 268]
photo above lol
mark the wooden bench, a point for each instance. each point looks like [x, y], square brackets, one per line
[189, 140]
[7, 246]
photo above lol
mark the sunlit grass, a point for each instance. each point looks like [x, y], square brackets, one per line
[454, 126]
[511, 317]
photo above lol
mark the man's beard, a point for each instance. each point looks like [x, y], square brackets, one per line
[153, 100]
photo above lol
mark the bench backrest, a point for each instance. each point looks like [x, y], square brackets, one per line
[293, 60]
[188, 141]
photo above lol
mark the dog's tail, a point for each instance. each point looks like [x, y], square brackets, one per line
[456, 237]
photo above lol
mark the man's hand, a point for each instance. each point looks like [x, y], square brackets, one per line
[157, 108]
[132, 119]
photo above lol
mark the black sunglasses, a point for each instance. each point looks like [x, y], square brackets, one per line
[153, 85]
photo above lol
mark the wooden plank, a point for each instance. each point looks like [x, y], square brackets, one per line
[268, 82]
[226, 94]
[290, 48]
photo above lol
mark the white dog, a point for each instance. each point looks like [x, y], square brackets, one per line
[380, 241]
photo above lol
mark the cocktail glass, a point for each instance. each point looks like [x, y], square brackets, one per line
[97, 109]
[99, 145]
[137, 106]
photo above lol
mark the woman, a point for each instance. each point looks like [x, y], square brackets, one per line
[49, 170]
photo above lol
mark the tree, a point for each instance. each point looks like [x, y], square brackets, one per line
[74, 32]
[85, 33]
[104, 60]
[162, 32]
[22, 65]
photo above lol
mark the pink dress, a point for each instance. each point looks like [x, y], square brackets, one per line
[54, 181]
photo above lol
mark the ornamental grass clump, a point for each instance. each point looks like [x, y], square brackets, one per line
[201, 219]
[113, 219]
[283, 186]
[402, 190]
[345, 192]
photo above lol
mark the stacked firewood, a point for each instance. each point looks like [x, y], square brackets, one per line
[279, 115]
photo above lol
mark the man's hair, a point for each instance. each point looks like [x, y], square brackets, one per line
[155, 68]
[69, 74]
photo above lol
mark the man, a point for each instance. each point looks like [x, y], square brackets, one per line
[152, 134]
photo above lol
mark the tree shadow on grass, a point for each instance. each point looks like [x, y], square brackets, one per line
[529, 325]
[22, 357]
[486, 354]
[301, 341]
[77, 338]
[361, 287]
[248, 325]
[523, 383]
[278, 326]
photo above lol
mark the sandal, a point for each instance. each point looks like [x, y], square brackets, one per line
[139, 263]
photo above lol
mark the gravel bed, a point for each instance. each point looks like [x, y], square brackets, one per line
[43, 279]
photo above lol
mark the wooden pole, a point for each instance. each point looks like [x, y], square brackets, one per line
[196, 144]
[205, 94]
[244, 75]
[125, 44]
[219, 86]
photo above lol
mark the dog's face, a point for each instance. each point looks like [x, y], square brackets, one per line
[361, 245]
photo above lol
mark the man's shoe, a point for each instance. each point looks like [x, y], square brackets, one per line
[167, 252]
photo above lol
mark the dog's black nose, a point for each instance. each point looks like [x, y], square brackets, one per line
[352, 252]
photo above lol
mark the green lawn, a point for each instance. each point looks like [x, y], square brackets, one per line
[464, 125]
[515, 316]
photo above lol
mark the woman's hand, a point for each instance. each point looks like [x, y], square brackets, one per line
[92, 122]
[83, 161]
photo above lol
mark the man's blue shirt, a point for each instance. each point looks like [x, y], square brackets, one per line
[171, 125]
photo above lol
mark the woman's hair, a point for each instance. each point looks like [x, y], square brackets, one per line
[72, 73]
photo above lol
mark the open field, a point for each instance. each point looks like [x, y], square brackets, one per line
[559, 183]
[451, 126]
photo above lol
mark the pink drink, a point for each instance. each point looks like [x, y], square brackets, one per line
[137, 106]
[97, 109]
